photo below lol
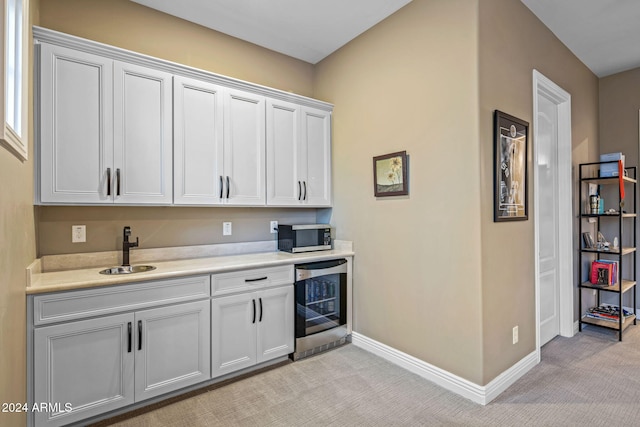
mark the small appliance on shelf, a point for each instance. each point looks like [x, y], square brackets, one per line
[304, 237]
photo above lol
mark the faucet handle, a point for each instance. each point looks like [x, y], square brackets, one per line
[135, 245]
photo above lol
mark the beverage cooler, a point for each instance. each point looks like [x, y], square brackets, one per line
[321, 306]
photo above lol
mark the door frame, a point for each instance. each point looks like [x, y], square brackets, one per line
[542, 86]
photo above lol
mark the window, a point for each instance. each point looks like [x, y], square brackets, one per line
[13, 90]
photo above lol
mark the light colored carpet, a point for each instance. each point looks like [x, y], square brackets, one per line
[588, 380]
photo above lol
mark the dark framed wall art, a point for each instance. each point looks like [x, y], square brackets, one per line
[390, 175]
[510, 168]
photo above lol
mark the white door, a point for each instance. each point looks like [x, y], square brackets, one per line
[172, 348]
[198, 149]
[547, 170]
[76, 136]
[284, 171]
[275, 323]
[88, 364]
[233, 333]
[143, 139]
[316, 134]
[244, 148]
[553, 218]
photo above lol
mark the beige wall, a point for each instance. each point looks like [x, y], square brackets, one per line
[17, 251]
[437, 278]
[410, 83]
[513, 42]
[619, 109]
[131, 26]
[158, 227]
[619, 106]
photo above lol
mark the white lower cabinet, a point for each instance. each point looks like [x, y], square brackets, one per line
[172, 348]
[251, 328]
[89, 367]
[87, 364]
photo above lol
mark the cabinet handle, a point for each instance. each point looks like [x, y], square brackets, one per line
[139, 334]
[299, 191]
[254, 311]
[117, 181]
[260, 310]
[227, 186]
[108, 181]
[221, 186]
[256, 280]
[305, 190]
[129, 345]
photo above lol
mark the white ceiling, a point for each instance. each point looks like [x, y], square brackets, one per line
[603, 34]
[308, 30]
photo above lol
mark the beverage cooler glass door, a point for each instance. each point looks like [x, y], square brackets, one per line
[321, 296]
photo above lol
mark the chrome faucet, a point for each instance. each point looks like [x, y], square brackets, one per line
[126, 245]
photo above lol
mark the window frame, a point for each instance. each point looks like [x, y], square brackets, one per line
[16, 140]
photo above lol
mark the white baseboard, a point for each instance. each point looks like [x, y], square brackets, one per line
[474, 392]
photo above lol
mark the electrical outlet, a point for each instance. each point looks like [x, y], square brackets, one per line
[515, 334]
[226, 229]
[78, 233]
[274, 227]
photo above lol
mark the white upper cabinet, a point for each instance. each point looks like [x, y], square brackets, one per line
[198, 150]
[284, 170]
[316, 139]
[298, 155]
[143, 140]
[244, 148]
[76, 131]
[105, 130]
[117, 127]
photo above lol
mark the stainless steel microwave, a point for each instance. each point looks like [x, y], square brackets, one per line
[304, 238]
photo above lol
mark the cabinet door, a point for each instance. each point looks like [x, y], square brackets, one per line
[244, 147]
[87, 364]
[142, 135]
[233, 333]
[76, 138]
[172, 348]
[285, 173]
[275, 323]
[316, 135]
[198, 146]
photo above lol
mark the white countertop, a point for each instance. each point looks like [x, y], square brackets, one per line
[53, 281]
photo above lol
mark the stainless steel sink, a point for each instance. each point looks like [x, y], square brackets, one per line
[129, 269]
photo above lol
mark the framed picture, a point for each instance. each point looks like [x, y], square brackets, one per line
[510, 168]
[390, 175]
[587, 239]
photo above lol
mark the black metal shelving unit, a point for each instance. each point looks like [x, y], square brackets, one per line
[626, 217]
